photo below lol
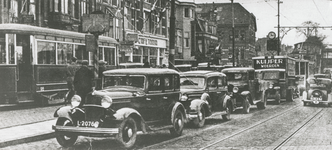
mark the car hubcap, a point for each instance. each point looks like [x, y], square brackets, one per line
[130, 132]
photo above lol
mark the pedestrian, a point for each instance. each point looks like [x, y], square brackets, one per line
[102, 68]
[83, 81]
[71, 69]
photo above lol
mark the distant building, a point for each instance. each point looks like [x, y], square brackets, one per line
[244, 26]
[310, 51]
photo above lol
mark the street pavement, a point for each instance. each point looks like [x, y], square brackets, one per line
[22, 124]
[34, 124]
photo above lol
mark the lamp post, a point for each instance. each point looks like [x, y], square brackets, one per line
[278, 42]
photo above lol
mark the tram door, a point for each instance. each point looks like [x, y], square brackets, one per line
[25, 70]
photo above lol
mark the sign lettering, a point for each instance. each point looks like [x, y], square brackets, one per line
[147, 41]
[269, 63]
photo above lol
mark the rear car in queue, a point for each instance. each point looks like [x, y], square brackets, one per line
[131, 100]
[319, 91]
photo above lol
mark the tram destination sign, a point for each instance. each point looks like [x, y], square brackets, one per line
[270, 63]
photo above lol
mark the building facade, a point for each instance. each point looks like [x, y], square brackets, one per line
[244, 27]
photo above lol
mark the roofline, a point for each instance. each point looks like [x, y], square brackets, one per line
[28, 29]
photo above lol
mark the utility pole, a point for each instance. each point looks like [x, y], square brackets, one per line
[278, 42]
[171, 61]
[233, 36]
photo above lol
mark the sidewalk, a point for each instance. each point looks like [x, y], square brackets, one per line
[26, 133]
[26, 124]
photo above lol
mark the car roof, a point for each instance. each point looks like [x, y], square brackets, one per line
[141, 71]
[202, 73]
[131, 64]
[263, 70]
[237, 69]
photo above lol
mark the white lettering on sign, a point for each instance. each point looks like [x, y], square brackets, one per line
[147, 41]
[268, 61]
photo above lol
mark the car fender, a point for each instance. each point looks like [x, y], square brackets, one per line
[179, 106]
[123, 113]
[205, 96]
[245, 92]
[197, 104]
[63, 112]
[226, 99]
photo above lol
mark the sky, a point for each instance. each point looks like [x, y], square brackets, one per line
[292, 13]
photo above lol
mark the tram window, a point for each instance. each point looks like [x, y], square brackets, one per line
[46, 52]
[11, 50]
[81, 53]
[2, 49]
[65, 53]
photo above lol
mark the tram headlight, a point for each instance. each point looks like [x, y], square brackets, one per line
[235, 89]
[75, 100]
[106, 101]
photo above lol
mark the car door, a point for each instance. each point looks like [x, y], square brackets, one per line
[152, 104]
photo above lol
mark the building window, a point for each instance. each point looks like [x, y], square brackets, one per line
[83, 7]
[109, 54]
[186, 39]
[186, 12]
[64, 6]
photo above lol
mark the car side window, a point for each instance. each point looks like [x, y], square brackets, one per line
[155, 83]
[251, 75]
[212, 83]
[222, 81]
[168, 82]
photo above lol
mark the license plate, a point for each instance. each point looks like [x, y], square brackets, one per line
[88, 123]
[316, 98]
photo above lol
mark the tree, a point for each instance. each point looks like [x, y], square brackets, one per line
[310, 31]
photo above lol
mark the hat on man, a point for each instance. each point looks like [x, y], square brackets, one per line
[101, 62]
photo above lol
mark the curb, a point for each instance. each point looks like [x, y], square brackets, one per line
[33, 138]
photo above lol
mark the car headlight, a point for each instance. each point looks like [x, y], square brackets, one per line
[184, 97]
[271, 86]
[235, 89]
[106, 101]
[75, 100]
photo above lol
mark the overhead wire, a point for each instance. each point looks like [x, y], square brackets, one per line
[319, 11]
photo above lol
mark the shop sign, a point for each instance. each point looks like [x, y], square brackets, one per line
[131, 37]
[147, 41]
[269, 63]
[126, 48]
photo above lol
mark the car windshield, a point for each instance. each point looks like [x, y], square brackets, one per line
[270, 75]
[134, 81]
[236, 76]
[192, 83]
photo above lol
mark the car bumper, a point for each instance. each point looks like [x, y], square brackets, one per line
[87, 131]
[317, 102]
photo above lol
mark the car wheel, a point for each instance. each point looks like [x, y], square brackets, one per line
[277, 100]
[178, 123]
[200, 120]
[65, 139]
[127, 133]
[227, 116]
[246, 105]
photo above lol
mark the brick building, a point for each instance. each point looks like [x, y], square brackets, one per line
[244, 26]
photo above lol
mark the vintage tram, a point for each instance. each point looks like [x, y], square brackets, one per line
[33, 61]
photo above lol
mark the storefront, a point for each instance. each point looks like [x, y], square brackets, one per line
[144, 48]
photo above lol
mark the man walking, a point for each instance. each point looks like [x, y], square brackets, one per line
[71, 69]
[83, 81]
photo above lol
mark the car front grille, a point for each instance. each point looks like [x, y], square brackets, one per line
[94, 113]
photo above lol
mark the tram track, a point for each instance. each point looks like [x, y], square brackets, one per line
[215, 126]
[262, 122]
[305, 123]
